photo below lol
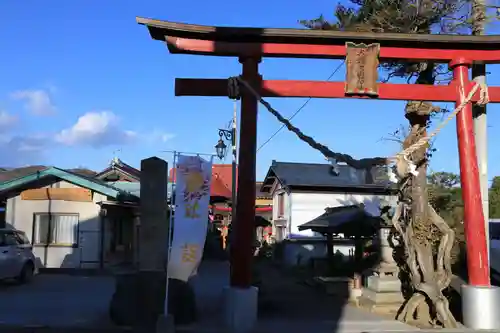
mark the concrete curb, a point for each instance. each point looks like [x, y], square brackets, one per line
[48, 329]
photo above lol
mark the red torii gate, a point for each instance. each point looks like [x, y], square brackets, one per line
[250, 45]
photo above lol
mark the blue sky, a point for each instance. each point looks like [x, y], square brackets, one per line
[80, 80]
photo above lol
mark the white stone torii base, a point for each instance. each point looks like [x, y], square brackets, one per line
[240, 309]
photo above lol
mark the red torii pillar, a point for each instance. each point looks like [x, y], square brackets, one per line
[477, 251]
[241, 254]
[251, 44]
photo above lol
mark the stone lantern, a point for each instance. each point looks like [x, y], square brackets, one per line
[382, 292]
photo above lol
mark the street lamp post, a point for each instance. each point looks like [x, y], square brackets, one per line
[221, 149]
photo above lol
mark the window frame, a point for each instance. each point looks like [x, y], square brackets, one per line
[50, 244]
[3, 237]
[21, 237]
[281, 205]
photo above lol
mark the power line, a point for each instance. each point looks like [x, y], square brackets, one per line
[298, 110]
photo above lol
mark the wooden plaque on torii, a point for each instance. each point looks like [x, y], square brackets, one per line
[362, 69]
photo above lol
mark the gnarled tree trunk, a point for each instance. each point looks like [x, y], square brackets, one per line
[428, 258]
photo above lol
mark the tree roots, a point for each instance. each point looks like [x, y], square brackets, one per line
[429, 277]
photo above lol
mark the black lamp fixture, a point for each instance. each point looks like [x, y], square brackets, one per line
[220, 147]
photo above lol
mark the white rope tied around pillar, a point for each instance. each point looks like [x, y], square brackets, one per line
[483, 99]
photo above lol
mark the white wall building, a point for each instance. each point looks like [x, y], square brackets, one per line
[302, 191]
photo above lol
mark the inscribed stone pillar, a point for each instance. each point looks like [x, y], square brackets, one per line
[153, 236]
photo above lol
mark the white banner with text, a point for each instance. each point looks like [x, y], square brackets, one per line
[192, 197]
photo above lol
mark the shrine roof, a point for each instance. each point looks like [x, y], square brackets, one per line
[352, 220]
[159, 30]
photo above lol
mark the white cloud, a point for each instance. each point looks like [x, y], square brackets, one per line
[7, 121]
[18, 150]
[160, 136]
[166, 137]
[96, 129]
[22, 150]
[53, 89]
[38, 102]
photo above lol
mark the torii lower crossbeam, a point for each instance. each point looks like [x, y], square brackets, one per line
[323, 89]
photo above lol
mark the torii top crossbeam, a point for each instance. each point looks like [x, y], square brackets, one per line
[300, 43]
[362, 52]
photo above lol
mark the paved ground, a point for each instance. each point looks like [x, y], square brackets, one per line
[62, 301]
[288, 306]
[57, 300]
[208, 286]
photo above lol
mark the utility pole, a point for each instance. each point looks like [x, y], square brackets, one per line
[234, 163]
[221, 149]
[479, 114]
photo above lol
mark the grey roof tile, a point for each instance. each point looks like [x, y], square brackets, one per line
[315, 174]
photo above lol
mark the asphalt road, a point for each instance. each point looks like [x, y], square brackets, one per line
[80, 301]
[57, 300]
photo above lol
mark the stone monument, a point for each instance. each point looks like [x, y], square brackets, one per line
[382, 292]
[139, 296]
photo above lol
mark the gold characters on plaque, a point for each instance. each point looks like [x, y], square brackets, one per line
[362, 69]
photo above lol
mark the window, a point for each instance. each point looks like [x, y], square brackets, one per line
[11, 239]
[55, 229]
[8, 239]
[21, 237]
[281, 205]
